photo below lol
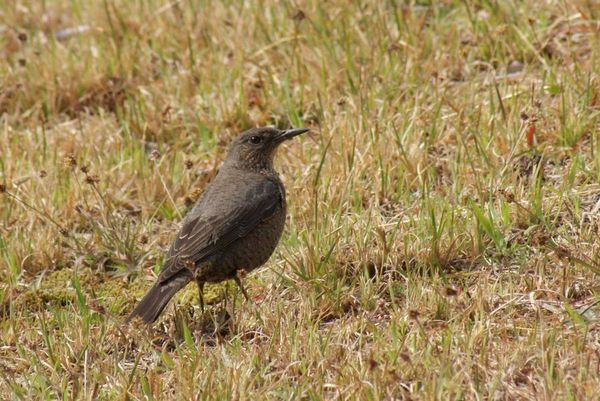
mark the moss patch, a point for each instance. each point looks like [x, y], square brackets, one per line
[117, 295]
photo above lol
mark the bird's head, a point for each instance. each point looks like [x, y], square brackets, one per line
[254, 149]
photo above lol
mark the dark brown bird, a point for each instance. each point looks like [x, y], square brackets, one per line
[234, 226]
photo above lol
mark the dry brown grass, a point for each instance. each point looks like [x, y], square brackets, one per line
[444, 219]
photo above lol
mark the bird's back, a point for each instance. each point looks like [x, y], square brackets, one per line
[236, 224]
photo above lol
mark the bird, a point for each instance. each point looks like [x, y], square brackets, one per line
[233, 228]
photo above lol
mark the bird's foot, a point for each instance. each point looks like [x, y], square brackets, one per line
[200, 294]
[238, 280]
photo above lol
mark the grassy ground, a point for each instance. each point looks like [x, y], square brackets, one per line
[443, 234]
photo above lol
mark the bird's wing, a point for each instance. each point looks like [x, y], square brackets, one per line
[225, 218]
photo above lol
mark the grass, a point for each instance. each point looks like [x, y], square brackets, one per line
[444, 217]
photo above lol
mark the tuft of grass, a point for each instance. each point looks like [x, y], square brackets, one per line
[444, 214]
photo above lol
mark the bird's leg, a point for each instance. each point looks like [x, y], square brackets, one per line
[200, 294]
[237, 280]
[198, 277]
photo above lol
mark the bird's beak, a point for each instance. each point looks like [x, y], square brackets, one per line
[290, 133]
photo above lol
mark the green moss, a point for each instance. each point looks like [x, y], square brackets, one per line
[118, 295]
[55, 288]
[213, 293]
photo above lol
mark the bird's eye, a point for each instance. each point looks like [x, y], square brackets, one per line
[255, 139]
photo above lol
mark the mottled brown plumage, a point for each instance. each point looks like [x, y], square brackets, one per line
[235, 225]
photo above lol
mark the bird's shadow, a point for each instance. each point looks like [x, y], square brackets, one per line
[209, 327]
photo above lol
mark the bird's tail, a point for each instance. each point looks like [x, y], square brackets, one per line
[153, 303]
